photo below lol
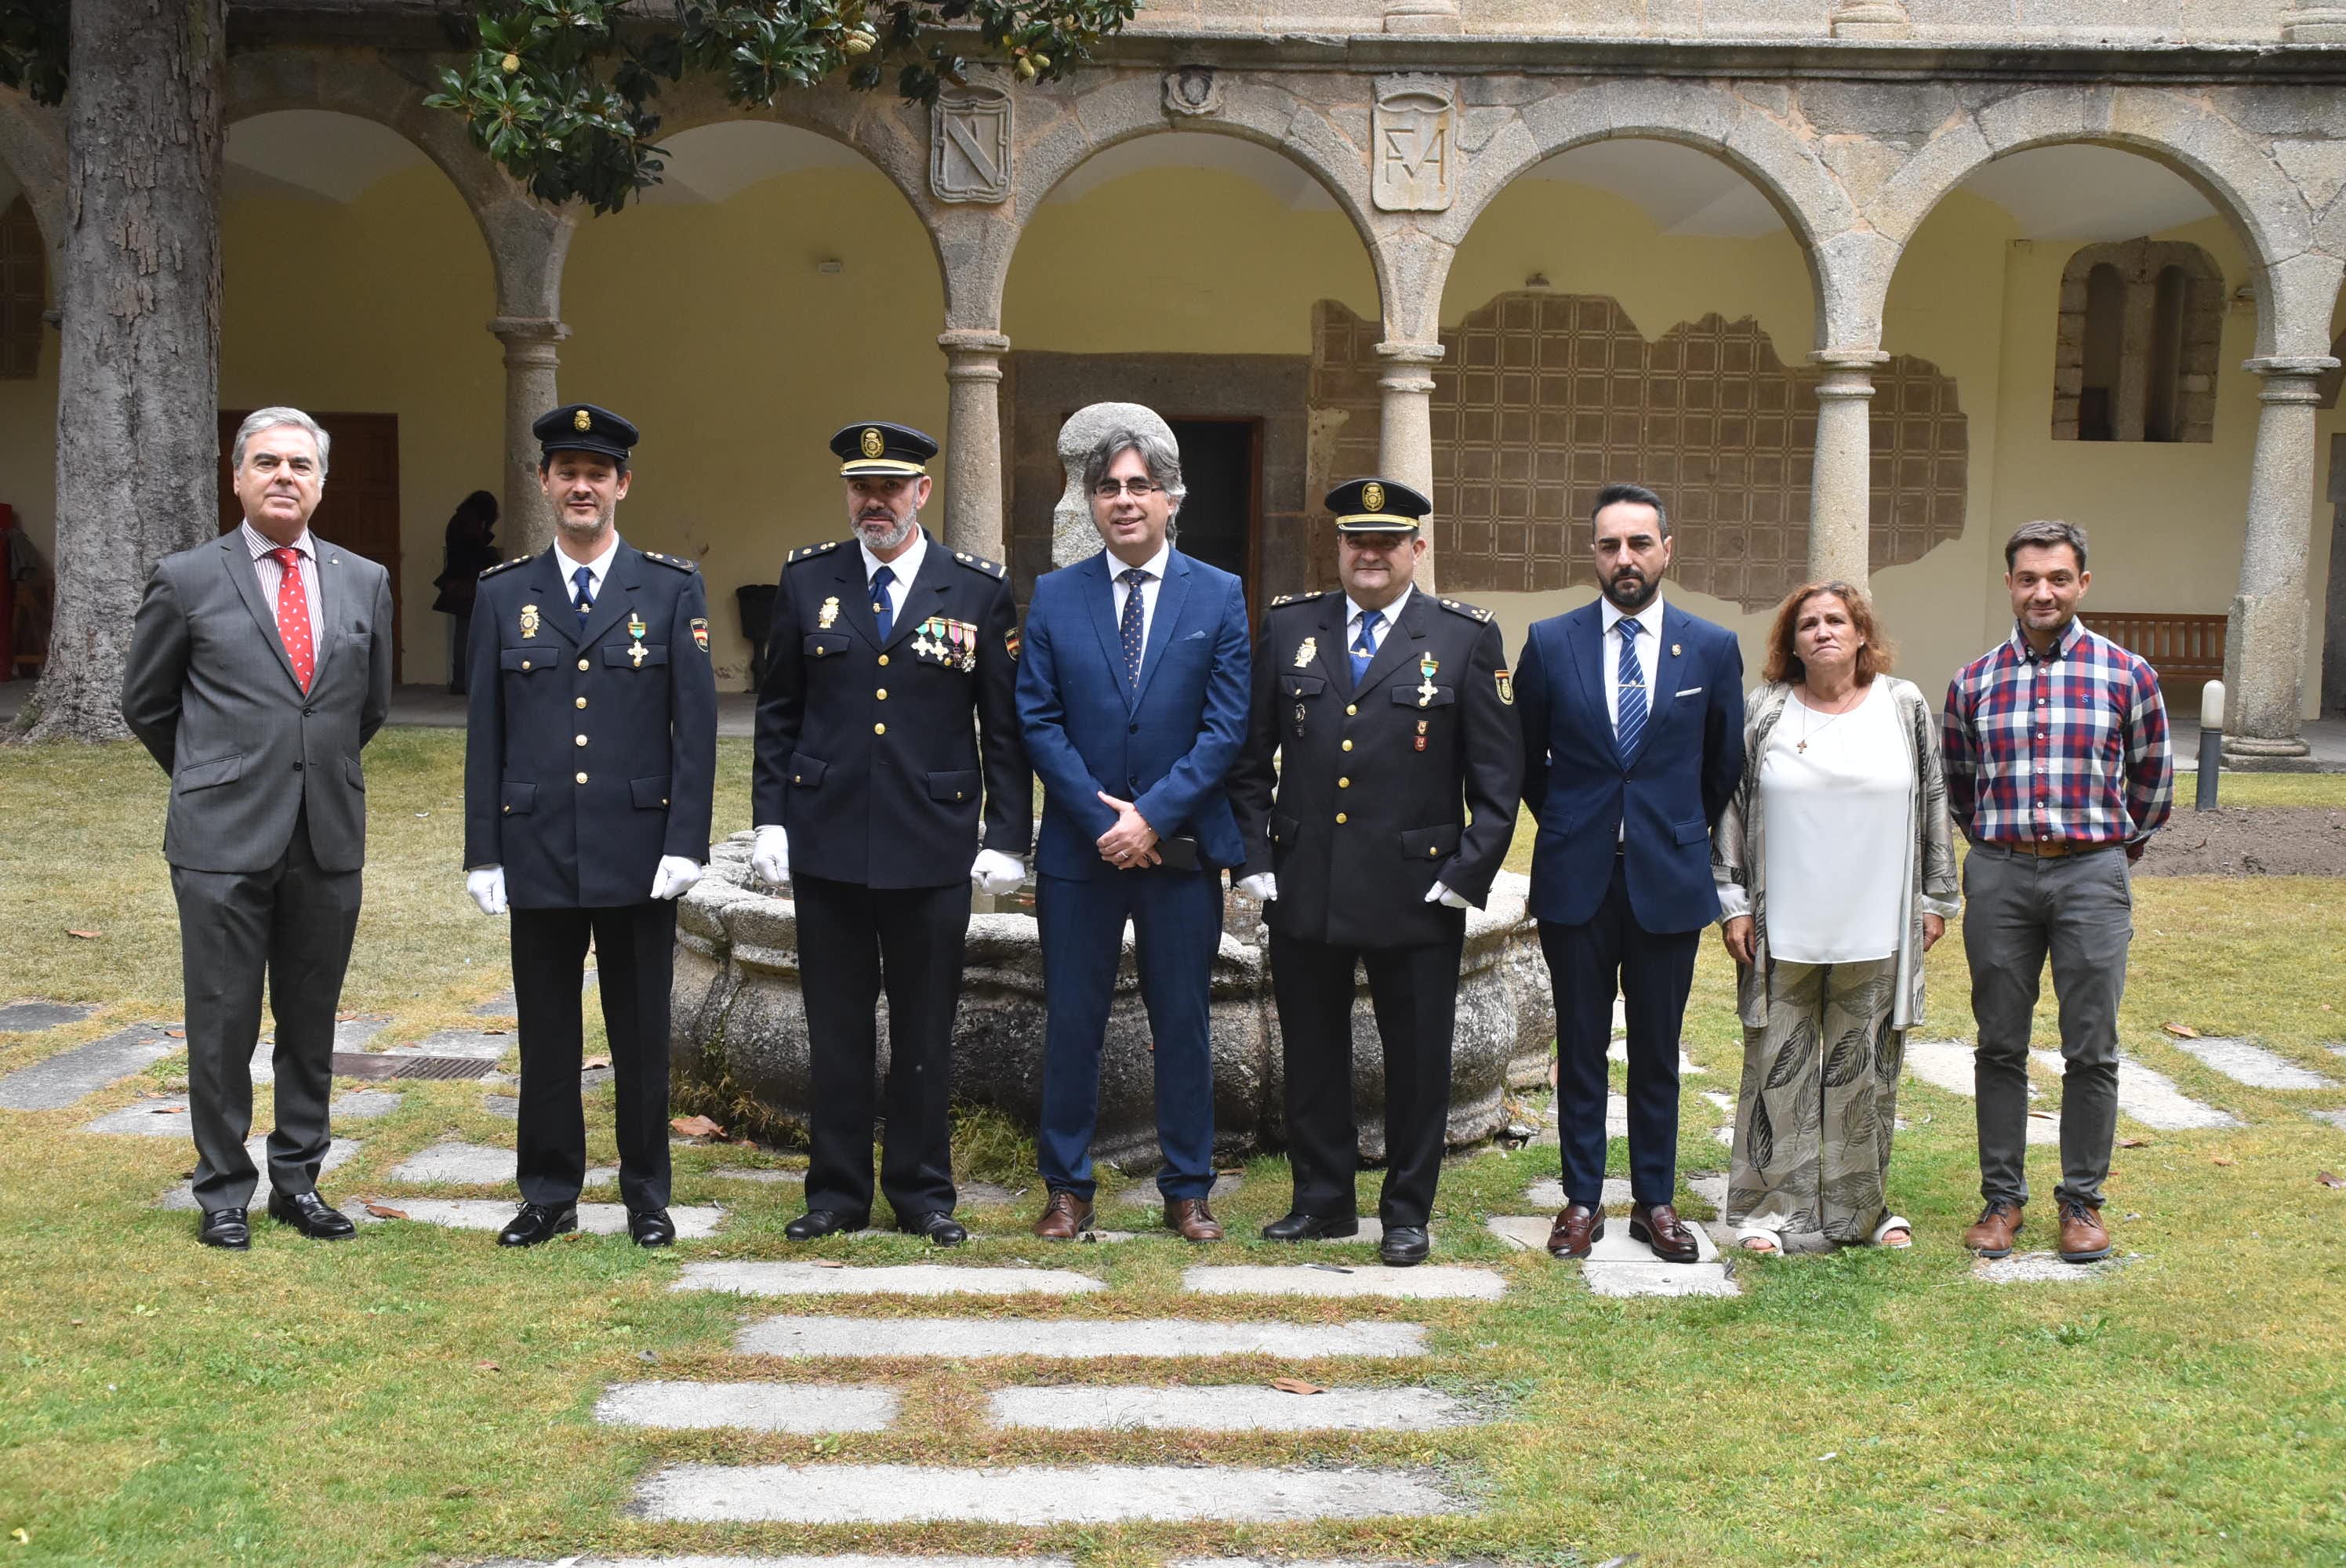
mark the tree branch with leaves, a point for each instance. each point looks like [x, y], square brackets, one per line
[561, 92]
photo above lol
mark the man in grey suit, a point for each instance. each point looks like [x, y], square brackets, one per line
[260, 664]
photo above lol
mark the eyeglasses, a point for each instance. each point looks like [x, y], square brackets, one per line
[1109, 489]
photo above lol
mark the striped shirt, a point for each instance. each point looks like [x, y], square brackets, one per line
[271, 574]
[2067, 747]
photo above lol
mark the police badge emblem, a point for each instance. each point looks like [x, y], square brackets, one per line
[873, 445]
[1373, 497]
[1306, 651]
[830, 613]
[700, 632]
[582, 420]
[1506, 683]
[528, 621]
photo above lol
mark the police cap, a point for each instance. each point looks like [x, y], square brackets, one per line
[583, 427]
[878, 448]
[1377, 506]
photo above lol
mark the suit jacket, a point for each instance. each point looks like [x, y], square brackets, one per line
[208, 689]
[1166, 744]
[589, 755]
[1374, 784]
[1667, 791]
[878, 756]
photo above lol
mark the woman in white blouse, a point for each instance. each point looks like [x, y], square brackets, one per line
[1836, 871]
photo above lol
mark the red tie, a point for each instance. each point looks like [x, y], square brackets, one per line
[293, 613]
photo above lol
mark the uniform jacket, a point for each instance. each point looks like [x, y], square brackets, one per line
[1166, 744]
[880, 759]
[209, 691]
[586, 760]
[1667, 791]
[1368, 805]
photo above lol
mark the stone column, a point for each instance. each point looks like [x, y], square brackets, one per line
[1841, 487]
[2264, 643]
[973, 520]
[1405, 429]
[527, 526]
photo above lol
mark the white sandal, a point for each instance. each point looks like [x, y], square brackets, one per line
[1759, 1240]
[1890, 1222]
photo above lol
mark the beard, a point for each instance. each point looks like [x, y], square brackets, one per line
[1631, 591]
[604, 516]
[885, 533]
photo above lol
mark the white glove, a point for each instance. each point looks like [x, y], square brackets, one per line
[674, 877]
[996, 874]
[770, 856]
[487, 888]
[1440, 893]
[1262, 887]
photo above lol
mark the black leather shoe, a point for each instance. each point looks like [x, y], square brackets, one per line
[817, 1223]
[226, 1227]
[942, 1229]
[1403, 1245]
[1312, 1227]
[651, 1226]
[538, 1223]
[312, 1216]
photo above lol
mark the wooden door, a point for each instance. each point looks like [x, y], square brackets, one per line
[360, 507]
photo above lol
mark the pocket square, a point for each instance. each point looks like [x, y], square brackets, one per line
[1193, 636]
[1691, 691]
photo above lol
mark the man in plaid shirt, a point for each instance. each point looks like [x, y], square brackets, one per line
[2058, 772]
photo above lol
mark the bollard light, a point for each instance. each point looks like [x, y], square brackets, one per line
[2212, 744]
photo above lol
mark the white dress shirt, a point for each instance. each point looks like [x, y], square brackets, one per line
[906, 566]
[600, 566]
[271, 575]
[1150, 586]
[1649, 646]
[1353, 614]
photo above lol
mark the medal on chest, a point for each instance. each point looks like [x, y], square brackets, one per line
[827, 614]
[635, 629]
[1425, 669]
[1306, 651]
[1421, 733]
[528, 622]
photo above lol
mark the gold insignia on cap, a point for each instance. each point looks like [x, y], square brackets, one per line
[582, 420]
[1373, 497]
[872, 443]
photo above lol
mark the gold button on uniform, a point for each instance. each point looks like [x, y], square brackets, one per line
[579, 740]
[883, 661]
[1348, 745]
[582, 702]
[524, 664]
[1344, 783]
[582, 664]
[1351, 709]
[1430, 850]
[1340, 819]
[879, 729]
[582, 777]
[882, 694]
[797, 777]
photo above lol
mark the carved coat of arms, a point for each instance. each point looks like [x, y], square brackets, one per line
[969, 144]
[1415, 128]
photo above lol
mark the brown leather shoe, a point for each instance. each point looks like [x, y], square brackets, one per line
[2083, 1239]
[1065, 1217]
[1577, 1226]
[1192, 1219]
[1657, 1224]
[1991, 1235]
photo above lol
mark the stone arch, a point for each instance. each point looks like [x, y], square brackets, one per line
[2297, 282]
[33, 150]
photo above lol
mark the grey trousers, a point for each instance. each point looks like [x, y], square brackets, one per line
[290, 925]
[2017, 910]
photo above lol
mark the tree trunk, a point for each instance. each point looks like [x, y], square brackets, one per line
[138, 387]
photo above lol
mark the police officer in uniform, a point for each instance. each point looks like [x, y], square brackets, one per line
[588, 763]
[1389, 713]
[886, 728]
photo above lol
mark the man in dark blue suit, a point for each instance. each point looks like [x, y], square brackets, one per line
[1633, 739]
[1133, 697]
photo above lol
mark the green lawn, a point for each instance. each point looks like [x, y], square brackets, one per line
[420, 1397]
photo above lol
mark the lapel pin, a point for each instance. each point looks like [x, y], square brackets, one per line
[1674, 650]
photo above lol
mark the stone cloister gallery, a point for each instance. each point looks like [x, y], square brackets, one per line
[1857, 293]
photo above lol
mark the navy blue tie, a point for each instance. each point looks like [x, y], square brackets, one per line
[584, 577]
[1364, 647]
[1630, 721]
[1128, 627]
[881, 581]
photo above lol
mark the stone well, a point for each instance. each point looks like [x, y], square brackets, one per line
[740, 1022]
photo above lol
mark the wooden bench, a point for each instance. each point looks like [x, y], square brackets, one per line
[2186, 650]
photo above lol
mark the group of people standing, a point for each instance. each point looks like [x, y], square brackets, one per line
[1356, 764]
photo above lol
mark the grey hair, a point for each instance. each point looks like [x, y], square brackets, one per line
[263, 419]
[2045, 533]
[1161, 457]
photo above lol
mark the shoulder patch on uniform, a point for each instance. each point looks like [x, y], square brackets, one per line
[809, 552]
[506, 566]
[1300, 598]
[980, 564]
[675, 562]
[1472, 612]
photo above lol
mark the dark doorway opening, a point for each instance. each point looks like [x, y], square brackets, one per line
[1220, 521]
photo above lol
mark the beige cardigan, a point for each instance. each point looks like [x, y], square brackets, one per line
[1739, 857]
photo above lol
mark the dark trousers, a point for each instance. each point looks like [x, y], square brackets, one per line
[291, 925]
[1177, 921]
[854, 942]
[1652, 972]
[1415, 990]
[634, 957]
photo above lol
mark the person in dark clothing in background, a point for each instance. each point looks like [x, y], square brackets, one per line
[471, 551]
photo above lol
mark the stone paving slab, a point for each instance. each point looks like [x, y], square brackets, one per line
[1146, 1201]
[754, 1172]
[501, 1006]
[1425, 1282]
[2150, 1097]
[2335, 1118]
[697, 1561]
[505, 1106]
[1549, 1194]
[350, 1034]
[1617, 1265]
[954, 1338]
[805, 1408]
[1034, 1495]
[166, 1116]
[33, 1016]
[693, 1223]
[366, 1104]
[474, 1044]
[56, 1082]
[1227, 1408]
[894, 1279]
[2044, 1268]
[1687, 1066]
[474, 1165]
[1530, 1232]
[1947, 1065]
[2245, 1062]
[181, 1199]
